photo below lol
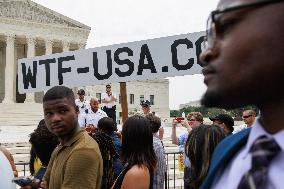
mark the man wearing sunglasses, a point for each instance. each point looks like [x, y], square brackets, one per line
[243, 65]
[249, 117]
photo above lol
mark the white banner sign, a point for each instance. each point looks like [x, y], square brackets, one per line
[134, 61]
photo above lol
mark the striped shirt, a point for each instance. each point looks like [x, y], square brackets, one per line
[159, 173]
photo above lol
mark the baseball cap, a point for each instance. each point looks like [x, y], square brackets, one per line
[81, 92]
[145, 103]
[225, 118]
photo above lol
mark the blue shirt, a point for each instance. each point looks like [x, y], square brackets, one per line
[117, 164]
[181, 142]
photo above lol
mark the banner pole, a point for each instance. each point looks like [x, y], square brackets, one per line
[124, 103]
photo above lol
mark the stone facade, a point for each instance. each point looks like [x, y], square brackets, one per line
[155, 91]
[28, 29]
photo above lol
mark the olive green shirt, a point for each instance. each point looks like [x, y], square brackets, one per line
[75, 165]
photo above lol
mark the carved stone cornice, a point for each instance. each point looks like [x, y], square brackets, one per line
[43, 31]
[30, 11]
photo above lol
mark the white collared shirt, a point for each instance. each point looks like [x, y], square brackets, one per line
[241, 163]
[107, 97]
[82, 105]
[94, 117]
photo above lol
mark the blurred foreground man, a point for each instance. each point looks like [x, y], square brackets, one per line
[243, 65]
[6, 173]
[76, 162]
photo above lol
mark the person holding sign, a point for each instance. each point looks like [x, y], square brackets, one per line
[109, 99]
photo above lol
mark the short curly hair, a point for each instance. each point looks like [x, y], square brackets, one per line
[197, 115]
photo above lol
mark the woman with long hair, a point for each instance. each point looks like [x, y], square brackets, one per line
[194, 119]
[137, 155]
[199, 148]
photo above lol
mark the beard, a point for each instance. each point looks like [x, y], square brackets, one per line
[218, 100]
[209, 100]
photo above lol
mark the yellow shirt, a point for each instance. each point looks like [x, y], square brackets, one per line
[75, 165]
[37, 165]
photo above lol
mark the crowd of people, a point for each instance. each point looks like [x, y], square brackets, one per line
[79, 137]
[243, 65]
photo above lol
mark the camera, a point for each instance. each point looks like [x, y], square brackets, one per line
[179, 119]
[22, 181]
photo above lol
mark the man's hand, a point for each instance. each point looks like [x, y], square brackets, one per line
[44, 184]
[90, 128]
[36, 183]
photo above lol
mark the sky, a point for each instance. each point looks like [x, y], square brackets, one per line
[122, 21]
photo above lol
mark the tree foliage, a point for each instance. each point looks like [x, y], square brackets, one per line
[211, 112]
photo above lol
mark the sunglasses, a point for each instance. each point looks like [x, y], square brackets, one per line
[245, 117]
[191, 120]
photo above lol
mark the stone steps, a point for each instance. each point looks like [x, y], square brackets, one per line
[20, 114]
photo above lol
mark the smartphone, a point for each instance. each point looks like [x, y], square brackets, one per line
[179, 119]
[22, 181]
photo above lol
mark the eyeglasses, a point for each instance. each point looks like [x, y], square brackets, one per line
[191, 120]
[215, 29]
[245, 117]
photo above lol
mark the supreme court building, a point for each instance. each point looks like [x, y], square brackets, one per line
[28, 29]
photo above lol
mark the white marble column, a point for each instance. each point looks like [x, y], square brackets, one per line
[48, 46]
[48, 50]
[10, 70]
[30, 97]
[65, 46]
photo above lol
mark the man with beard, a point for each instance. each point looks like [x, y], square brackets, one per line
[243, 65]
